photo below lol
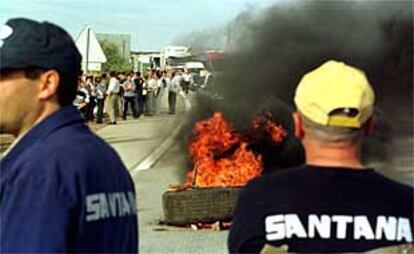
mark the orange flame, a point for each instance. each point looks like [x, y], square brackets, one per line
[220, 155]
[214, 137]
[277, 133]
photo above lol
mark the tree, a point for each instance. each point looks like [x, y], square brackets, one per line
[115, 62]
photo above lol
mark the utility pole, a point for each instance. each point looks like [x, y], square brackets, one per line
[87, 49]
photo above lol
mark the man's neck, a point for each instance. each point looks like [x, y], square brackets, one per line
[37, 117]
[332, 155]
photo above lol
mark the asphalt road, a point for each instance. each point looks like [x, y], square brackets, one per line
[155, 238]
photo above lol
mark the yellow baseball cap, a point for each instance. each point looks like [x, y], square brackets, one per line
[335, 94]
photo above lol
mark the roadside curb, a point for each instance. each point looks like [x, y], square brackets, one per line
[149, 161]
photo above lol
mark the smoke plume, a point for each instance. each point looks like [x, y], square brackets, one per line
[272, 51]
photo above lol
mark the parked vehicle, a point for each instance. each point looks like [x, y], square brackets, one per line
[175, 57]
[198, 73]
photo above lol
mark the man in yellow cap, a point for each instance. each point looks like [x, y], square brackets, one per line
[333, 203]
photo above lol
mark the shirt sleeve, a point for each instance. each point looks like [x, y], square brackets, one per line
[38, 214]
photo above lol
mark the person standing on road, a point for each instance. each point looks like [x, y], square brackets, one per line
[161, 84]
[151, 89]
[100, 98]
[186, 76]
[165, 83]
[121, 79]
[173, 89]
[113, 97]
[129, 97]
[333, 203]
[62, 188]
[139, 83]
[91, 89]
[81, 99]
[145, 93]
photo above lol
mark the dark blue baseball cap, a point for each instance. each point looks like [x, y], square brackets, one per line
[28, 43]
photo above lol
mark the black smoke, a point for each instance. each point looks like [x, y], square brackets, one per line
[275, 49]
[201, 41]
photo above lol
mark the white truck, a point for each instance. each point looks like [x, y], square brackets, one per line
[198, 73]
[175, 57]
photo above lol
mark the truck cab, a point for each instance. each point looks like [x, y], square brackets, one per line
[197, 71]
[175, 57]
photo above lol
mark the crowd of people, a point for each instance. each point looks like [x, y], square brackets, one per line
[119, 92]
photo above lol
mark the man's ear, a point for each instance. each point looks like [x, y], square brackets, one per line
[299, 133]
[49, 83]
[369, 126]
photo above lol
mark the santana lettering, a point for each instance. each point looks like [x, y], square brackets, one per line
[390, 228]
[109, 205]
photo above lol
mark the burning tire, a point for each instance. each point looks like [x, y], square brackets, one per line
[199, 205]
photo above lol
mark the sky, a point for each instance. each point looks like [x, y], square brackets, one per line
[152, 24]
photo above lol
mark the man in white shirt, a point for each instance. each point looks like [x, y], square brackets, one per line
[152, 86]
[113, 98]
[187, 80]
[162, 84]
[173, 89]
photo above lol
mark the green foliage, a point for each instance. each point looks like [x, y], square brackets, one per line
[115, 62]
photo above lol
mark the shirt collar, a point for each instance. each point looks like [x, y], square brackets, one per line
[64, 116]
[13, 144]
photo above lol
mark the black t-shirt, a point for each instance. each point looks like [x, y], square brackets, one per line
[322, 209]
[138, 85]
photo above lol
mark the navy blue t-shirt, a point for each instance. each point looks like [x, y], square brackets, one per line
[63, 189]
[322, 209]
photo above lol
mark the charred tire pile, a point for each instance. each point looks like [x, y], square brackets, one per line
[199, 205]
